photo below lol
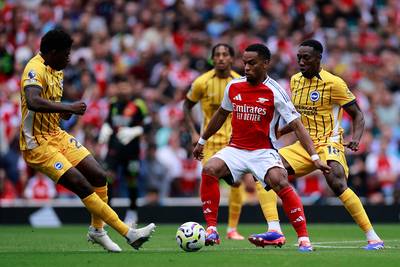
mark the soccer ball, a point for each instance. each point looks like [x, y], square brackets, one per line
[191, 236]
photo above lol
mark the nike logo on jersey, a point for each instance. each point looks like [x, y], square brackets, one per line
[238, 97]
[262, 100]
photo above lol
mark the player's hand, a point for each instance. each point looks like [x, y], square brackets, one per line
[105, 133]
[319, 164]
[78, 107]
[126, 134]
[195, 138]
[353, 145]
[198, 152]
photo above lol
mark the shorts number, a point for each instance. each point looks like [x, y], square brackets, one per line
[77, 144]
[333, 150]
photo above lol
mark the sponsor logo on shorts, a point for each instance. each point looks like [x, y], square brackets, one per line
[58, 165]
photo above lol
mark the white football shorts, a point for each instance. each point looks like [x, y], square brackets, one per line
[256, 162]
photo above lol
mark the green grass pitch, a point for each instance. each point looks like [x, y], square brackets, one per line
[336, 245]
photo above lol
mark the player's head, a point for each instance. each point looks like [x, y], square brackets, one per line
[309, 57]
[55, 47]
[256, 58]
[124, 89]
[222, 56]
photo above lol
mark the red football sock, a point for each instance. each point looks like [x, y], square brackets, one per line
[293, 208]
[209, 192]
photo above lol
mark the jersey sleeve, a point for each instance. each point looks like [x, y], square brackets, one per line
[341, 94]
[226, 101]
[284, 106]
[196, 91]
[33, 75]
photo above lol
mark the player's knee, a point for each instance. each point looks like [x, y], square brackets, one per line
[210, 169]
[336, 179]
[277, 179]
[74, 181]
[338, 187]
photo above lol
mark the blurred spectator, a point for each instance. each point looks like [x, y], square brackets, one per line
[40, 187]
[153, 172]
[383, 170]
[125, 123]
[7, 189]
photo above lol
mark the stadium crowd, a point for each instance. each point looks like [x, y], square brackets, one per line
[161, 46]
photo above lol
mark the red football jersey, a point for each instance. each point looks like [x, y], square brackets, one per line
[256, 111]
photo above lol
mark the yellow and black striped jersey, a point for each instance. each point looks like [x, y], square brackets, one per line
[319, 101]
[35, 126]
[209, 90]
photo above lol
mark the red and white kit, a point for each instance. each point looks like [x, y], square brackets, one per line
[255, 113]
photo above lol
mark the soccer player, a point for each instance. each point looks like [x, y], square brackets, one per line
[208, 89]
[320, 98]
[256, 102]
[52, 151]
[121, 131]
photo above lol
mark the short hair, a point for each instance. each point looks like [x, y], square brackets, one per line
[118, 78]
[316, 45]
[261, 50]
[55, 39]
[230, 49]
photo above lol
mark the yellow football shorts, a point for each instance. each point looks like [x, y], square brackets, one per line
[209, 151]
[57, 155]
[301, 162]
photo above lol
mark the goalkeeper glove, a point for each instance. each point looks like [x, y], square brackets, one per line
[105, 133]
[127, 134]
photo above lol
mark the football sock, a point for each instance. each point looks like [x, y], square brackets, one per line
[372, 236]
[209, 193]
[303, 238]
[102, 193]
[293, 208]
[235, 205]
[268, 201]
[353, 205]
[274, 226]
[100, 209]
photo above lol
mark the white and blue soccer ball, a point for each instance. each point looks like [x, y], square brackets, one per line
[191, 236]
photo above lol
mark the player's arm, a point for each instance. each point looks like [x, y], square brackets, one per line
[215, 124]
[38, 104]
[189, 121]
[358, 123]
[284, 130]
[307, 143]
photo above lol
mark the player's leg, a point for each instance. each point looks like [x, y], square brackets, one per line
[295, 160]
[91, 171]
[268, 202]
[235, 208]
[74, 180]
[277, 179]
[210, 196]
[337, 181]
[131, 173]
[96, 176]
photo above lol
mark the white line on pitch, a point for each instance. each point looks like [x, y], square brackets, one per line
[351, 241]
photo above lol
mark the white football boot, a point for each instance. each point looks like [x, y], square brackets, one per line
[100, 236]
[136, 237]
